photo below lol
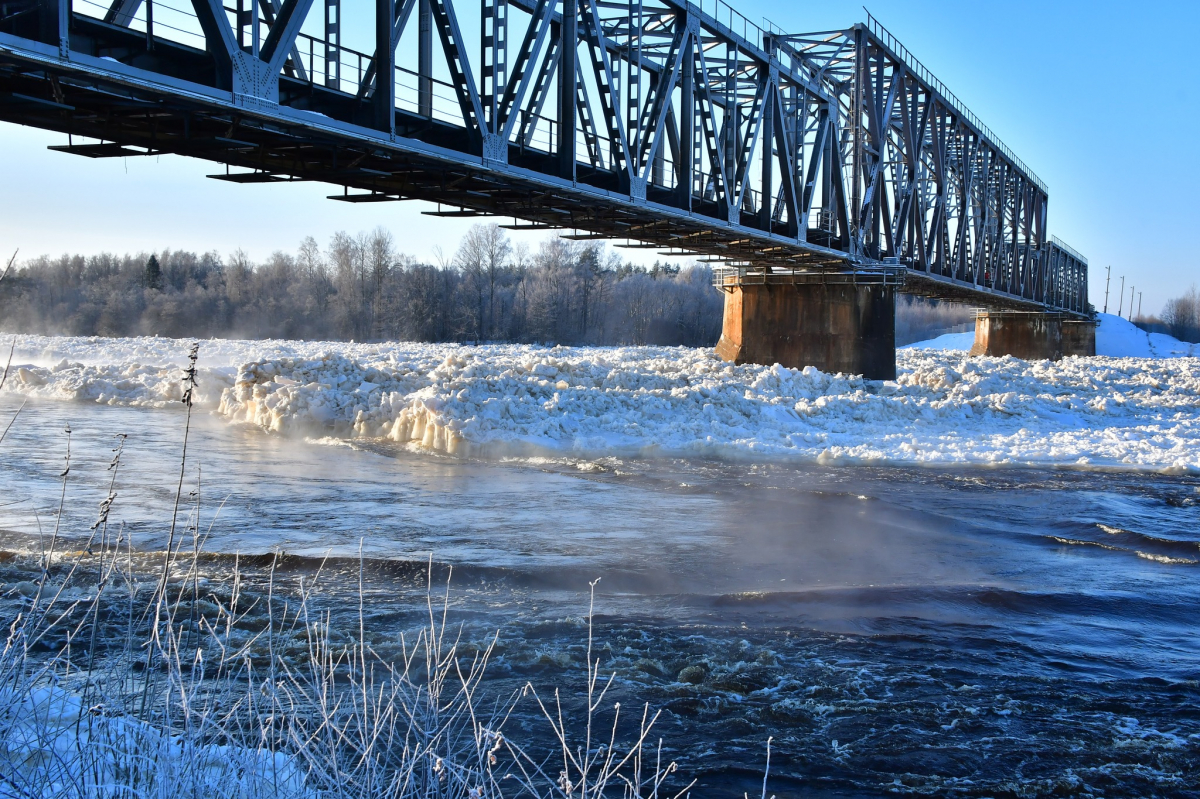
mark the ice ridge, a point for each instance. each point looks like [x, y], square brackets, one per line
[944, 408]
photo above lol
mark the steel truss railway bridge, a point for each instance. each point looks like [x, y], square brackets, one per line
[819, 172]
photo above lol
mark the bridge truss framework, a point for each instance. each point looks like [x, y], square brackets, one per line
[678, 126]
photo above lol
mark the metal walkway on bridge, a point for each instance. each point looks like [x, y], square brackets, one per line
[654, 123]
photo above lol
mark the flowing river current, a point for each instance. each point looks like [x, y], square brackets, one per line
[970, 631]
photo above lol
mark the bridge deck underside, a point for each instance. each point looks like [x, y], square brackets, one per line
[290, 145]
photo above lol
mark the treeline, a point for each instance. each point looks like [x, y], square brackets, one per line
[359, 287]
[1181, 316]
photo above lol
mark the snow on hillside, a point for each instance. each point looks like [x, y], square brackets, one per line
[1119, 338]
[1115, 338]
[944, 408]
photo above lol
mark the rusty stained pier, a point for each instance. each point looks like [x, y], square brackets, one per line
[820, 173]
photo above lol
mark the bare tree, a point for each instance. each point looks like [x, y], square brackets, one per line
[360, 288]
[1182, 316]
[483, 257]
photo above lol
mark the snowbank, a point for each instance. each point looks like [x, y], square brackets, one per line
[944, 408]
[55, 744]
[1120, 338]
[1115, 338]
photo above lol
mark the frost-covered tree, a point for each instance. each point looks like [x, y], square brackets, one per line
[359, 287]
[1182, 316]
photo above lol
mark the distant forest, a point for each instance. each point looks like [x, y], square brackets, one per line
[359, 287]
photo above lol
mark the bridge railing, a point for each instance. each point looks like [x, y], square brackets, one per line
[171, 22]
[735, 21]
[1062, 245]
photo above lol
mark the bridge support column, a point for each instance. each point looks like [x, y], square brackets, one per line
[1029, 335]
[834, 326]
[1079, 337]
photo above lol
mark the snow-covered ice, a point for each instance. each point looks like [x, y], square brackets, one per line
[58, 746]
[945, 407]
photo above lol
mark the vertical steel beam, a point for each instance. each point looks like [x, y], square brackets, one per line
[493, 57]
[567, 60]
[333, 49]
[633, 75]
[383, 101]
[424, 59]
[64, 27]
[861, 80]
[685, 166]
[767, 179]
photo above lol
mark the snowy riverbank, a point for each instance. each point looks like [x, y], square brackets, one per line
[1115, 338]
[944, 408]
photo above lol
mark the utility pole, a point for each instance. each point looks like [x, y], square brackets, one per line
[1139, 305]
[1131, 303]
[1107, 280]
[1121, 303]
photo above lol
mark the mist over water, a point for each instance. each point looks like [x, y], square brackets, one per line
[972, 631]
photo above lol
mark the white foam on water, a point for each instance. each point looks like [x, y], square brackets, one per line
[520, 400]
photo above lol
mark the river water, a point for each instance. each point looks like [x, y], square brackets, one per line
[980, 632]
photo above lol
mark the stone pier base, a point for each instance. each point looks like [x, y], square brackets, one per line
[835, 327]
[1021, 334]
[1032, 335]
[1079, 337]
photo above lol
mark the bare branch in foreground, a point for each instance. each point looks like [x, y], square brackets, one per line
[9, 266]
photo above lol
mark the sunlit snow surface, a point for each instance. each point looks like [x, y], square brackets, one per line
[945, 407]
[1116, 338]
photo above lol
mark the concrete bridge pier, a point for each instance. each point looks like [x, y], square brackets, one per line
[832, 323]
[1033, 335]
[1079, 337]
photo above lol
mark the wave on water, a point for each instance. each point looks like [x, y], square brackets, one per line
[1167, 559]
[1183, 549]
[528, 401]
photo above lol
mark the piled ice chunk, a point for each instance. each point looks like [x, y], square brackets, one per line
[510, 399]
[944, 408]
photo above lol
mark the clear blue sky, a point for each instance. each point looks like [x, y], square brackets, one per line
[1100, 99]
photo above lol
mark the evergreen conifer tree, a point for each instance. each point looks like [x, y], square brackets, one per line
[153, 274]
